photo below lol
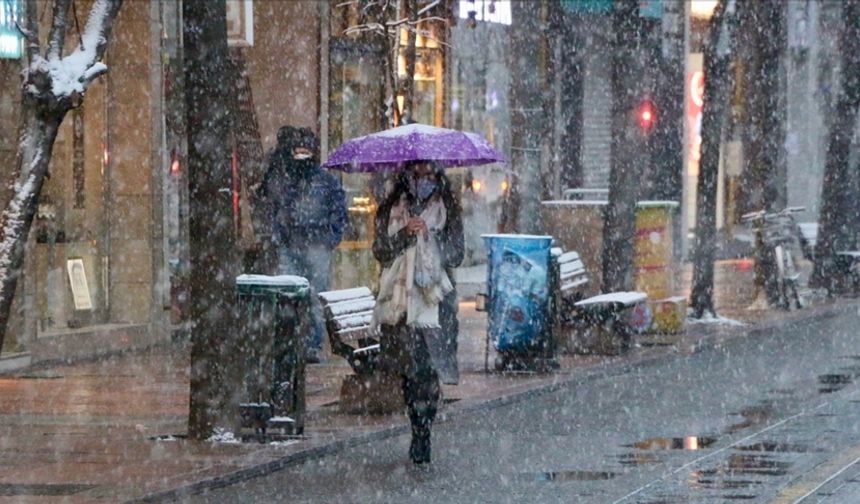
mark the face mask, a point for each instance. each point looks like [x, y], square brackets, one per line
[425, 187]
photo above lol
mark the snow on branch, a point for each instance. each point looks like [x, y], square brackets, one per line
[432, 5]
[57, 37]
[70, 76]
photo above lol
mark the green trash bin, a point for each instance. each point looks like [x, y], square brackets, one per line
[273, 320]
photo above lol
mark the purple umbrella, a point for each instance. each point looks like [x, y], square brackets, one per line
[388, 150]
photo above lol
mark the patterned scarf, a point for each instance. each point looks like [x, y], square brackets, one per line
[415, 282]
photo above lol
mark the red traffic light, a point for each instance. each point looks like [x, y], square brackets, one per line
[647, 116]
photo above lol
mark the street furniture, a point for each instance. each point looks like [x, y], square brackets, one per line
[347, 318]
[589, 324]
[273, 321]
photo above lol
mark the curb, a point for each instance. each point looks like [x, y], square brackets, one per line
[611, 368]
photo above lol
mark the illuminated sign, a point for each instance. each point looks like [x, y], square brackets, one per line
[10, 37]
[491, 11]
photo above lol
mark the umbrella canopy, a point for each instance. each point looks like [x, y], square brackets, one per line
[389, 150]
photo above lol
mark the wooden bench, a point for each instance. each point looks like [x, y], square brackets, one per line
[601, 318]
[347, 319]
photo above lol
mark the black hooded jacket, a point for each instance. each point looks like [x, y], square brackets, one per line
[307, 204]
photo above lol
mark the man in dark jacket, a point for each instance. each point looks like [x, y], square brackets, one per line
[308, 215]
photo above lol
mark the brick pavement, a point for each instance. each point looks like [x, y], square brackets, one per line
[85, 432]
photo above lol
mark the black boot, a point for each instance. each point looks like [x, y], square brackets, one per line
[422, 396]
[419, 449]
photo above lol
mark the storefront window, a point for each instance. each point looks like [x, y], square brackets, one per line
[70, 254]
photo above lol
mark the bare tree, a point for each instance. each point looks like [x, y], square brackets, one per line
[53, 84]
[837, 222]
[717, 87]
[390, 20]
[620, 216]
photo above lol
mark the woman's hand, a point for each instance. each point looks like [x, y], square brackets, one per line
[416, 225]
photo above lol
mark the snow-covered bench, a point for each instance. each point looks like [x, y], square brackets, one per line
[347, 319]
[368, 390]
[602, 313]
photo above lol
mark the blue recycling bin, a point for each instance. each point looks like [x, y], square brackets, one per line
[518, 295]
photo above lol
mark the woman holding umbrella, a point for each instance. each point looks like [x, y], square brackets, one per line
[419, 238]
[418, 241]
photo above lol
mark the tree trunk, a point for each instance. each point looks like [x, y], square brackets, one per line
[408, 83]
[669, 148]
[837, 225]
[43, 107]
[763, 143]
[38, 133]
[521, 207]
[212, 241]
[713, 112]
[619, 223]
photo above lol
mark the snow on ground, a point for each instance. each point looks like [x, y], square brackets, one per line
[709, 318]
[223, 436]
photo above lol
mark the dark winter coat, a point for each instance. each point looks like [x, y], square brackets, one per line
[307, 204]
[408, 351]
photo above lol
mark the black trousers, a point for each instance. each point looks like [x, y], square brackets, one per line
[421, 392]
[405, 354]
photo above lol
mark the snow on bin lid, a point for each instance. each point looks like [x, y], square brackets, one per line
[518, 236]
[273, 281]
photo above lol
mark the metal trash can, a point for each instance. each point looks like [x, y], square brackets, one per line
[273, 322]
[518, 300]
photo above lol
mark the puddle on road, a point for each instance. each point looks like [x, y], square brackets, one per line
[679, 443]
[753, 415]
[740, 471]
[782, 391]
[831, 383]
[769, 446]
[723, 484]
[636, 459]
[744, 464]
[562, 476]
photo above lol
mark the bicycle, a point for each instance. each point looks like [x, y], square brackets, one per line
[779, 233]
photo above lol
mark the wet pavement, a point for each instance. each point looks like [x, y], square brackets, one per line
[739, 421]
[110, 430]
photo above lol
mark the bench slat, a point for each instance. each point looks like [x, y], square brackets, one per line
[568, 257]
[366, 350]
[354, 334]
[574, 283]
[353, 320]
[351, 306]
[572, 267]
[345, 294]
[573, 274]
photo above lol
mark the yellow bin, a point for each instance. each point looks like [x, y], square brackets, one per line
[669, 315]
